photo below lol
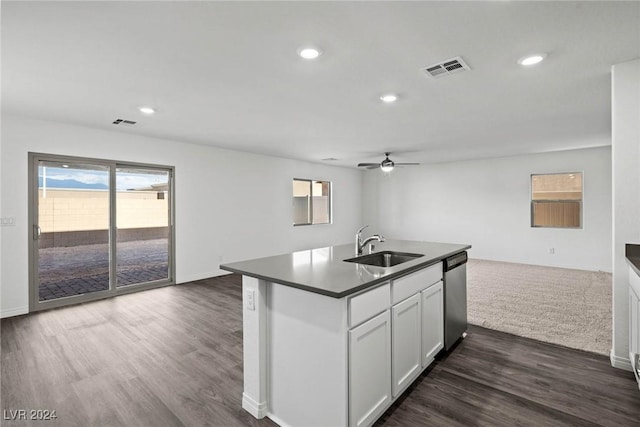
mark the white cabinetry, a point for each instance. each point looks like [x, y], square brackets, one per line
[417, 324]
[320, 361]
[634, 323]
[634, 336]
[432, 322]
[367, 304]
[369, 370]
[406, 286]
[406, 321]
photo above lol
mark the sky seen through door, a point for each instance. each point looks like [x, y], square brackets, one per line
[60, 177]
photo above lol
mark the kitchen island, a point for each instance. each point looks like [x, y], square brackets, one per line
[333, 343]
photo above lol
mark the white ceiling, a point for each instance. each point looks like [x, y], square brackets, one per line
[227, 74]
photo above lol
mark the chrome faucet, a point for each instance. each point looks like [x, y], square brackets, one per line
[360, 244]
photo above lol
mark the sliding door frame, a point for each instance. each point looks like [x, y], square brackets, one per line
[34, 292]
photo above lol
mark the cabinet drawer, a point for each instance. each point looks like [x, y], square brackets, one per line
[368, 304]
[405, 286]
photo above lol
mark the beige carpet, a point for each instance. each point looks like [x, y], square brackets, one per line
[557, 305]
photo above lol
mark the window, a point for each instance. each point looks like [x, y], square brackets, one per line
[311, 202]
[556, 200]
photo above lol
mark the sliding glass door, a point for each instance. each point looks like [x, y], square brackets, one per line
[142, 212]
[99, 228]
[72, 230]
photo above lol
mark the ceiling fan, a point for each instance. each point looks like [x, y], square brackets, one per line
[386, 165]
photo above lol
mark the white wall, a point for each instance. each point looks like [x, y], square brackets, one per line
[228, 204]
[626, 195]
[486, 203]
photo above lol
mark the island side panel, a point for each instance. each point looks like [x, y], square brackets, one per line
[254, 341]
[308, 359]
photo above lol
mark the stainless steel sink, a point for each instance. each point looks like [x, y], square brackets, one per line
[385, 258]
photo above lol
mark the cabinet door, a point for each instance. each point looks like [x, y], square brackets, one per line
[405, 342]
[432, 323]
[634, 322]
[634, 332]
[369, 370]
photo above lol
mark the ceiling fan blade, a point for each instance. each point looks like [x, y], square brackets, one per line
[368, 164]
[373, 166]
[407, 164]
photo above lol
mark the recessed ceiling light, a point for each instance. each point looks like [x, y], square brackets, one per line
[532, 59]
[65, 166]
[147, 110]
[309, 52]
[389, 98]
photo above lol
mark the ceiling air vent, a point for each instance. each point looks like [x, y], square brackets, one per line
[124, 122]
[450, 66]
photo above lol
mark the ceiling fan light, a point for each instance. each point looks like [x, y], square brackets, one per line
[387, 165]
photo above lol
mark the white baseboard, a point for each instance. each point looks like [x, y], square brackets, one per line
[14, 312]
[620, 362]
[258, 410]
[277, 420]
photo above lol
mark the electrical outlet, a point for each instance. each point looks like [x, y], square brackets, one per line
[9, 221]
[552, 251]
[250, 299]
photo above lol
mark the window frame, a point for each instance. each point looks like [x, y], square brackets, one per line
[580, 202]
[329, 202]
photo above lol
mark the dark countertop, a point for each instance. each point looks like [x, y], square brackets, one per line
[325, 272]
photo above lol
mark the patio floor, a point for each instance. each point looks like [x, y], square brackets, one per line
[76, 270]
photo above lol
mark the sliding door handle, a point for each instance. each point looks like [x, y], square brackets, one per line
[37, 231]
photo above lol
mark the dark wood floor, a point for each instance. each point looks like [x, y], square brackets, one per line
[173, 357]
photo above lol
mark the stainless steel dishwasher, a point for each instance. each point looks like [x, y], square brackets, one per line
[455, 298]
